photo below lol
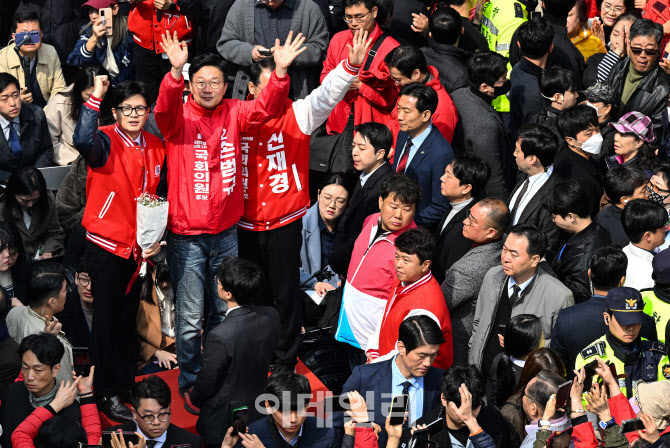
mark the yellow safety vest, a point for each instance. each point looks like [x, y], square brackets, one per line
[658, 309]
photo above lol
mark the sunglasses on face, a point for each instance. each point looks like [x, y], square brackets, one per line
[648, 51]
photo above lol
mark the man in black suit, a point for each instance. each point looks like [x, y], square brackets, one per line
[25, 138]
[535, 152]
[77, 316]
[287, 424]
[372, 143]
[577, 326]
[408, 372]
[422, 152]
[151, 400]
[462, 182]
[237, 352]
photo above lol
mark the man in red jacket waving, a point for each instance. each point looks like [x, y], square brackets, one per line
[203, 145]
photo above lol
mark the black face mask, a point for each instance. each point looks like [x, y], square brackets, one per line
[503, 89]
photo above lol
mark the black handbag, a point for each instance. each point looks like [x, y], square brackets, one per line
[332, 152]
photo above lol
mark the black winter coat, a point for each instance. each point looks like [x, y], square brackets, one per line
[450, 63]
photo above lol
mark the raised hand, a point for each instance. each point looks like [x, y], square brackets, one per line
[577, 389]
[640, 4]
[596, 402]
[251, 441]
[550, 408]
[229, 441]
[359, 409]
[54, 326]
[176, 52]
[285, 55]
[85, 383]
[359, 48]
[650, 433]
[100, 86]
[65, 395]
[598, 31]
[464, 412]
[420, 24]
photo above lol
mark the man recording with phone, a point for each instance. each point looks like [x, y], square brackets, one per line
[622, 345]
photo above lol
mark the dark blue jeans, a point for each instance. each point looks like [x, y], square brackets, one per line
[193, 261]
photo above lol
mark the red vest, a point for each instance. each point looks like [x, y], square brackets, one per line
[275, 173]
[110, 217]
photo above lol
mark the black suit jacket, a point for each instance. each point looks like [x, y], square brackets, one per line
[363, 203]
[426, 167]
[568, 164]
[377, 379]
[235, 365]
[73, 320]
[578, 326]
[36, 147]
[451, 244]
[314, 435]
[175, 435]
[534, 213]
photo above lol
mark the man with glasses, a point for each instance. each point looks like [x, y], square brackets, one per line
[151, 400]
[518, 286]
[275, 172]
[638, 80]
[205, 150]
[77, 317]
[123, 162]
[250, 31]
[373, 95]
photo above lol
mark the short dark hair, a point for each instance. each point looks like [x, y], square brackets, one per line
[640, 216]
[385, 10]
[403, 187]
[406, 59]
[497, 214]
[557, 80]
[419, 242]
[486, 68]
[608, 265]
[537, 140]
[469, 375]
[259, 67]
[369, 4]
[151, 387]
[537, 241]
[426, 97]
[567, 196]
[60, 431]
[286, 384]
[128, 89]
[574, 120]
[25, 180]
[45, 346]
[7, 80]
[377, 134]
[535, 37]
[663, 170]
[82, 266]
[546, 385]
[240, 277]
[646, 28]
[23, 16]
[419, 330]
[445, 25]
[623, 180]
[208, 60]
[334, 179]
[46, 281]
[472, 171]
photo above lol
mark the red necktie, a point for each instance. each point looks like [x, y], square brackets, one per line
[402, 163]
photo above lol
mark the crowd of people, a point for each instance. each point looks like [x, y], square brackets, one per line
[468, 201]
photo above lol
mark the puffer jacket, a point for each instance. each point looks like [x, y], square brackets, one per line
[571, 265]
[587, 43]
[650, 97]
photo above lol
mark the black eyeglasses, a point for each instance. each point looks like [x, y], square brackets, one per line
[648, 51]
[163, 417]
[127, 110]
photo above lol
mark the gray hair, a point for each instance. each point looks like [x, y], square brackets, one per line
[646, 28]
[601, 92]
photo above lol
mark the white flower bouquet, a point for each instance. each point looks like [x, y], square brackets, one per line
[152, 216]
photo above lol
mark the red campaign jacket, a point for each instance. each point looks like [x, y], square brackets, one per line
[378, 94]
[445, 116]
[117, 168]
[658, 11]
[275, 156]
[423, 297]
[147, 30]
[204, 155]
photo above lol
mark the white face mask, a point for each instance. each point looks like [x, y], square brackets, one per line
[596, 108]
[592, 146]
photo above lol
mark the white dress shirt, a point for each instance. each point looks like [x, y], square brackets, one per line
[535, 182]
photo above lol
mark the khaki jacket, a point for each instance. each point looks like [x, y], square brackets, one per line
[150, 332]
[61, 127]
[49, 74]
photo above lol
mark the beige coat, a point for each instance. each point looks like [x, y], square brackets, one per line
[150, 332]
[49, 74]
[61, 127]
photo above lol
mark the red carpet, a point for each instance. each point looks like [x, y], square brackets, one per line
[186, 420]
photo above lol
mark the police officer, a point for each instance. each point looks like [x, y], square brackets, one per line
[622, 345]
[657, 299]
[500, 21]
